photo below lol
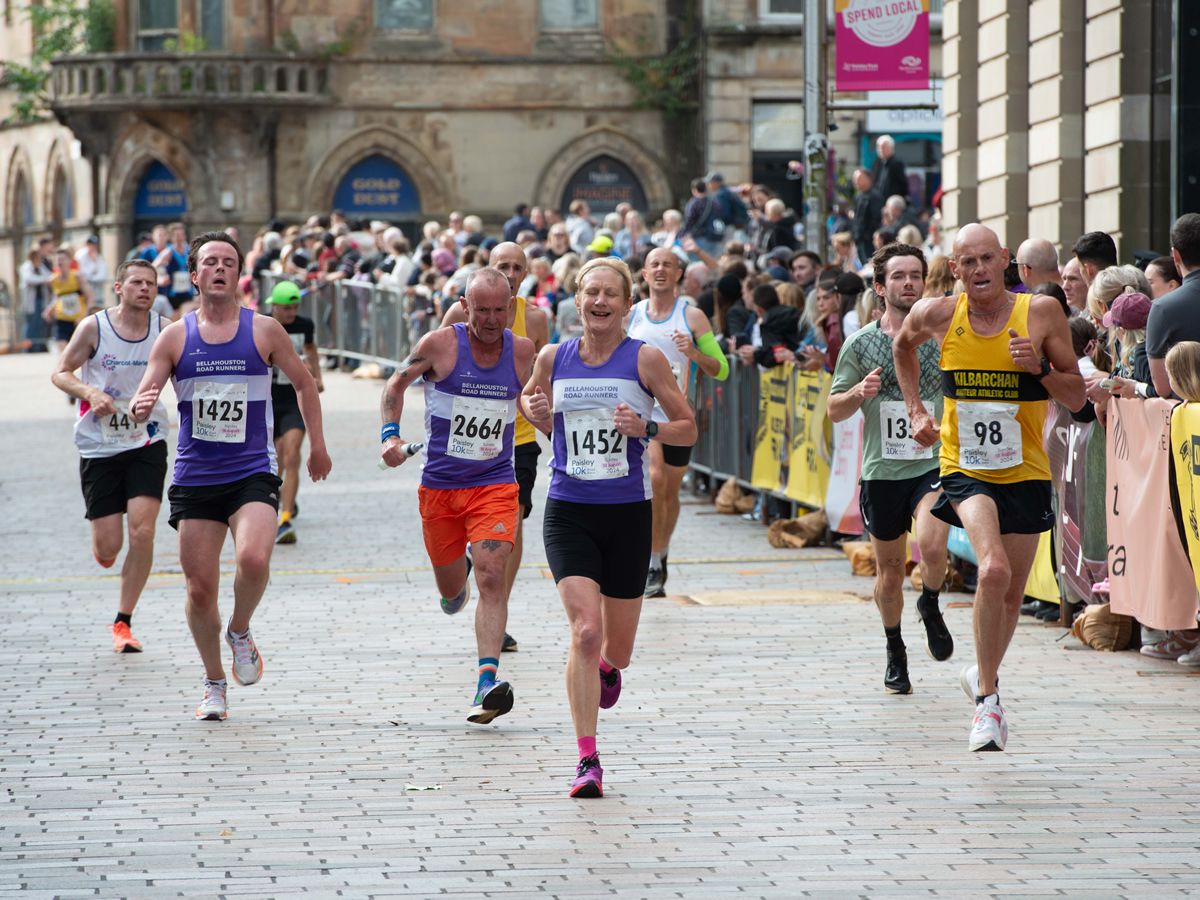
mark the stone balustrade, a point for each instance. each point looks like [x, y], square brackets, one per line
[124, 81]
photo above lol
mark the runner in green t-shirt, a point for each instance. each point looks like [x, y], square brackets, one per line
[900, 479]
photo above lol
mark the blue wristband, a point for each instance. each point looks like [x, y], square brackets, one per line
[390, 430]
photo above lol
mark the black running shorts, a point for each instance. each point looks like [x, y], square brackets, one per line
[217, 502]
[285, 407]
[110, 481]
[606, 542]
[676, 456]
[525, 457]
[888, 507]
[1024, 507]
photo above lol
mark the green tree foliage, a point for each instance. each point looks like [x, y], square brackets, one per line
[60, 28]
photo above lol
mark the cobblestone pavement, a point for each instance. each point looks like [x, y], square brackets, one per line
[752, 753]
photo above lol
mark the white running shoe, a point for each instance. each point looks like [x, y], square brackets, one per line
[247, 662]
[1191, 658]
[989, 730]
[968, 680]
[213, 707]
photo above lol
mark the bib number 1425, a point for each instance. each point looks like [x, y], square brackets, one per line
[219, 412]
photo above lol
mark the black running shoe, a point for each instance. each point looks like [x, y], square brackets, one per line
[938, 642]
[656, 580]
[491, 700]
[895, 676]
[509, 645]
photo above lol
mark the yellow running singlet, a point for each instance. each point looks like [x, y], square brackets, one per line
[523, 432]
[994, 411]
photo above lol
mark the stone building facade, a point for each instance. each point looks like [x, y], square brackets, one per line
[1059, 119]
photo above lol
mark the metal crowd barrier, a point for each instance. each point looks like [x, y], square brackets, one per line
[359, 321]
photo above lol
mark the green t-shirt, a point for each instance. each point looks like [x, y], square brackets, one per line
[889, 453]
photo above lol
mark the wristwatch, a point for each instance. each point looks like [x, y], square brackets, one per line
[1046, 370]
[651, 429]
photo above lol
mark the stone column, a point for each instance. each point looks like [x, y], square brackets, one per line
[1056, 35]
[960, 125]
[1117, 124]
[1003, 93]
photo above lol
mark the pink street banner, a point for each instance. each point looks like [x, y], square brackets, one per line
[845, 469]
[882, 45]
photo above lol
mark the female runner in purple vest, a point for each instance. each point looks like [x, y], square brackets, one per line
[594, 395]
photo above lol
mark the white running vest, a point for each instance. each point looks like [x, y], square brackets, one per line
[117, 368]
[658, 334]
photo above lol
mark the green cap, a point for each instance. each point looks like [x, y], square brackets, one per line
[285, 293]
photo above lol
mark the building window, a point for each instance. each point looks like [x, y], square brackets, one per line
[782, 10]
[212, 24]
[157, 22]
[777, 125]
[569, 14]
[404, 15]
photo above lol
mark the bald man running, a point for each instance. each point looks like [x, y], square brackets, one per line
[524, 320]
[1003, 356]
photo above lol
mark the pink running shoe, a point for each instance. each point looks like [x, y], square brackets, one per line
[610, 688]
[588, 775]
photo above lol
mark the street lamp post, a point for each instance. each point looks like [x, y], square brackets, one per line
[816, 143]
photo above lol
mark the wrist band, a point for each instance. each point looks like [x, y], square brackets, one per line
[390, 430]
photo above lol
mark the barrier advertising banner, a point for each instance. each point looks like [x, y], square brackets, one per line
[808, 458]
[882, 45]
[1076, 473]
[841, 497]
[1149, 574]
[1185, 479]
[771, 436]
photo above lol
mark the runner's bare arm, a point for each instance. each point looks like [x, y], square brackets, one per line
[928, 319]
[655, 373]
[844, 404]
[420, 362]
[1064, 383]
[535, 401]
[163, 357]
[456, 313]
[524, 355]
[313, 361]
[698, 348]
[81, 346]
[537, 324]
[269, 334]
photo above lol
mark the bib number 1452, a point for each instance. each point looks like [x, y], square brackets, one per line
[595, 449]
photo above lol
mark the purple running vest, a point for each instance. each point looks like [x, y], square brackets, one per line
[469, 420]
[226, 424]
[593, 462]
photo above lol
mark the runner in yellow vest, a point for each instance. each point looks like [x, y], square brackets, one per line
[72, 299]
[526, 321]
[1003, 355]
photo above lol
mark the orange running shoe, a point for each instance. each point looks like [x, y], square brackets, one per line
[123, 639]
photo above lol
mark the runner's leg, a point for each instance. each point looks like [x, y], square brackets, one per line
[287, 450]
[890, 557]
[932, 534]
[619, 617]
[107, 536]
[253, 529]
[491, 613]
[200, 542]
[665, 480]
[142, 513]
[582, 602]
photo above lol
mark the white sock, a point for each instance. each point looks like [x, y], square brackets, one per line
[655, 560]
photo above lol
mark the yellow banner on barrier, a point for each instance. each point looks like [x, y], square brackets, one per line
[771, 437]
[810, 438]
[1185, 465]
[1041, 584]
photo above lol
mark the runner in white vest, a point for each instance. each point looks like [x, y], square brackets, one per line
[682, 332]
[123, 462]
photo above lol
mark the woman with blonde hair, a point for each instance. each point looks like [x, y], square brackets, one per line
[1111, 282]
[790, 294]
[594, 395]
[1183, 369]
[940, 282]
[845, 254]
[911, 235]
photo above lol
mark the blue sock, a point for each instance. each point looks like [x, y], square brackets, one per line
[488, 666]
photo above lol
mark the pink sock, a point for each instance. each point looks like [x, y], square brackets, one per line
[605, 665]
[587, 746]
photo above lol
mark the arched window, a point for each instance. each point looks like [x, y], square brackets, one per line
[377, 187]
[603, 182]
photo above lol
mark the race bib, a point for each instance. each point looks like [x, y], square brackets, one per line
[476, 428]
[895, 433]
[70, 305]
[219, 412]
[595, 449]
[989, 435]
[181, 283]
[120, 427]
